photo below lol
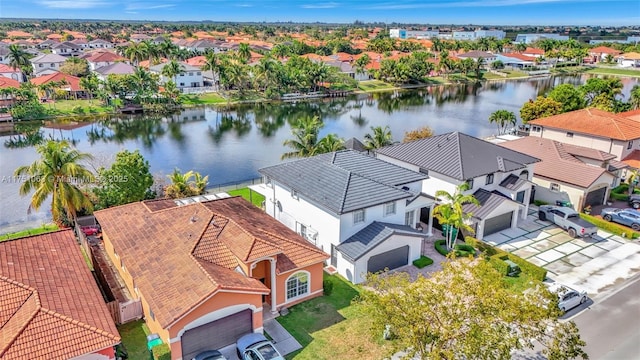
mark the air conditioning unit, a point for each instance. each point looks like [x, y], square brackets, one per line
[312, 234]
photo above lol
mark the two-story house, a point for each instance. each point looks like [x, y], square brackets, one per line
[103, 58]
[596, 129]
[499, 178]
[67, 48]
[362, 210]
[8, 72]
[189, 76]
[46, 64]
[569, 173]
[100, 44]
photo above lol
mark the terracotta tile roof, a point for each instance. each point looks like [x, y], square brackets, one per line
[604, 50]
[7, 69]
[533, 51]
[593, 122]
[630, 56]
[520, 56]
[7, 83]
[633, 159]
[202, 243]
[51, 307]
[105, 56]
[73, 82]
[196, 61]
[18, 34]
[633, 114]
[557, 161]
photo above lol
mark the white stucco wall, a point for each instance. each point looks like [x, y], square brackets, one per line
[394, 242]
[615, 147]
[505, 207]
[374, 213]
[572, 193]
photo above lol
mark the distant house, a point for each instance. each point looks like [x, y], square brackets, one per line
[103, 58]
[71, 86]
[533, 52]
[600, 53]
[498, 177]
[139, 37]
[631, 59]
[207, 272]
[66, 48]
[515, 60]
[4, 55]
[475, 55]
[577, 174]
[47, 44]
[531, 38]
[47, 63]
[189, 77]
[201, 45]
[83, 43]
[117, 68]
[8, 72]
[100, 44]
[362, 210]
[51, 305]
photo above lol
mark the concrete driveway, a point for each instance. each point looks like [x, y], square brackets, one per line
[590, 264]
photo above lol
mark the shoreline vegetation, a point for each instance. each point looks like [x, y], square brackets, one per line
[69, 109]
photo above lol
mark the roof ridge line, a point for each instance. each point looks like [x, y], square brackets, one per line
[80, 323]
[26, 323]
[305, 243]
[195, 245]
[344, 192]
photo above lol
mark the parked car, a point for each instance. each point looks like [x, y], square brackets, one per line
[90, 230]
[567, 219]
[627, 217]
[568, 298]
[210, 355]
[255, 346]
[634, 201]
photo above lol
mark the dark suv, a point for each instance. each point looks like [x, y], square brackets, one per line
[634, 201]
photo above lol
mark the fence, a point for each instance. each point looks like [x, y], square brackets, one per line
[233, 185]
[122, 313]
[198, 90]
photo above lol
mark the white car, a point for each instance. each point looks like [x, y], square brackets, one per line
[568, 298]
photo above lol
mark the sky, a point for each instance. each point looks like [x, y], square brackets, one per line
[484, 12]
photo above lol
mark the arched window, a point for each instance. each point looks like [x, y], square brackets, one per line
[298, 285]
[524, 175]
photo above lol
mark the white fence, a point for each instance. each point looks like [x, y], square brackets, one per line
[199, 90]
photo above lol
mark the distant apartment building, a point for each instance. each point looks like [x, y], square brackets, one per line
[531, 38]
[413, 34]
[634, 40]
[456, 35]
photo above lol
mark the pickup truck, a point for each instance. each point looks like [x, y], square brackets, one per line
[567, 219]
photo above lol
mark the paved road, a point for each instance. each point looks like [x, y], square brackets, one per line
[611, 327]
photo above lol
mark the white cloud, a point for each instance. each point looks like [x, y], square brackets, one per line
[462, 4]
[148, 6]
[72, 4]
[329, 5]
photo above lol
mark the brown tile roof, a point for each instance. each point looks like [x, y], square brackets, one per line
[72, 82]
[105, 56]
[593, 122]
[7, 83]
[630, 56]
[633, 159]
[191, 251]
[557, 160]
[633, 114]
[50, 306]
[604, 50]
[533, 51]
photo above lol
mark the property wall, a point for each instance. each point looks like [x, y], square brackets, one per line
[371, 214]
[567, 192]
[315, 286]
[393, 242]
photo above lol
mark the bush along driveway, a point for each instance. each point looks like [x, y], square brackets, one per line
[333, 327]
[590, 264]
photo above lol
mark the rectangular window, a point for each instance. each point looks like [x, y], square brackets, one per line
[554, 187]
[520, 197]
[191, 74]
[303, 231]
[199, 73]
[424, 171]
[535, 128]
[358, 216]
[182, 84]
[630, 145]
[569, 134]
[408, 218]
[489, 179]
[294, 194]
[470, 183]
[389, 208]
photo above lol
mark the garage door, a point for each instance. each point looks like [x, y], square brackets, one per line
[497, 223]
[390, 259]
[216, 334]
[596, 197]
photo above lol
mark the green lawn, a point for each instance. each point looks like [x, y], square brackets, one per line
[71, 107]
[134, 339]
[331, 327]
[203, 99]
[40, 230]
[375, 85]
[249, 195]
[614, 71]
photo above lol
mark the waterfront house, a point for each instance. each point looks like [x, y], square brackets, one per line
[71, 84]
[575, 174]
[475, 55]
[51, 305]
[189, 77]
[533, 52]
[47, 63]
[630, 59]
[362, 210]
[117, 68]
[600, 53]
[499, 178]
[206, 272]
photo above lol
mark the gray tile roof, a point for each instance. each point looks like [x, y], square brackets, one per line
[119, 68]
[457, 155]
[355, 144]
[372, 235]
[344, 181]
[489, 201]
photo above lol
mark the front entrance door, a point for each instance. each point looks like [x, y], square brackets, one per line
[334, 256]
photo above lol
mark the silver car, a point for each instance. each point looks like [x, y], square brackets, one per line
[568, 298]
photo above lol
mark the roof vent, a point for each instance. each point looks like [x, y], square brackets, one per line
[194, 217]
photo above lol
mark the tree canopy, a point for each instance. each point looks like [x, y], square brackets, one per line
[417, 134]
[465, 311]
[569, 96]
[127, 180]
[504, 119]
[541, 107]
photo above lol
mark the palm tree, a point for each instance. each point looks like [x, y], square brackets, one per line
[200, 183]
[136, 52]
[57, 173]
[212, 63]
[520, 47]
[478, 66]
[634, 97]
[504, 119]
[305, 138]
[18, 58]
[450, 212]
[330, 143]
[380, 137]
[244, 53]
[90, 84]
[172, 69]
[188, 184]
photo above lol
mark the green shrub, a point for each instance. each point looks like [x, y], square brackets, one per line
[534, 271]
[441, 247]
[422, 261]
[327, 287]
[77, 110]
[464, 250]
[611, 227]
[496, 256]
[498, 263]
[540, 202]
[483, 247]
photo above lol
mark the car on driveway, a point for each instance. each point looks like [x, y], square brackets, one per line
[210, 355]
[256, 346]
[627, 217]
[567, 219]
[634, 201]
[568, 298]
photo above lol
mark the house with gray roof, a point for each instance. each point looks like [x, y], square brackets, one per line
[498, 177]
[67, 48]
[47, 63]
[118, 68]
[361, 209]
[189, 76]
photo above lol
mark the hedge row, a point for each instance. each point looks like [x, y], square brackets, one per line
[422, 261]
[496, 257]
[461, 250]
[611, 227]
[621, 192]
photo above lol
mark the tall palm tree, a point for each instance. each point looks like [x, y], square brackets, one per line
[18, 58]
[90, 84]
[136, 52]
[450, 212]
[244, 53]
[57, 173]
[172, 69]
[634, 97]
[330, 143]
[179, 186]
[379, 137]
[504, 119]
[305, 138]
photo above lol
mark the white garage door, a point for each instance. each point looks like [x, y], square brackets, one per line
[497, 223]
[216, 334]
